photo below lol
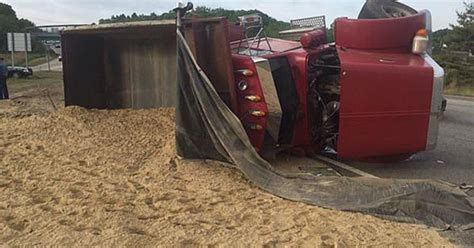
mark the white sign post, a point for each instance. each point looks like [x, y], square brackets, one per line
[10, 46]
[19, 42]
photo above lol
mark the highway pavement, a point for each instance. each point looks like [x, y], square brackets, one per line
[54, 65]
[452, 160]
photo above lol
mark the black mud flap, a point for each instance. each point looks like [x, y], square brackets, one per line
[207, 129]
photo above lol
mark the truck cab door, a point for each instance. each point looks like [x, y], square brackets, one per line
[385, 104]
[386, 90]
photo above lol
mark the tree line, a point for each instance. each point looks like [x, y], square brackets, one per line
[9, 22]
[451, 46]
[453, 49]
[272, 25]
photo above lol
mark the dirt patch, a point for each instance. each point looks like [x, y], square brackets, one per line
[87, 177]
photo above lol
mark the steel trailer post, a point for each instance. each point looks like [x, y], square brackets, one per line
[181, 11]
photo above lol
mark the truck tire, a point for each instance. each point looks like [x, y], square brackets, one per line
[444, 104]
[16, 75]
[379, 9]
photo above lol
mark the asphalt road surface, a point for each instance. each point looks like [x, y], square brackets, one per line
[452, 160]
[54, 65]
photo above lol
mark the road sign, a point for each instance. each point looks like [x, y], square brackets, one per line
[19, 42]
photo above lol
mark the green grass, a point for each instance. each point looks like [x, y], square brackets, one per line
[460, 91]
[40, 61]
[34, 59]
[41, 79]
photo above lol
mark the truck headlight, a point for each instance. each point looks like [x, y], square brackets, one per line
[242, 85]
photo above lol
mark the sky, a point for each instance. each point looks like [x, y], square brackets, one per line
[46, 12]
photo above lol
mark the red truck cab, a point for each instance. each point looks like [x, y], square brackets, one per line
[367, 95]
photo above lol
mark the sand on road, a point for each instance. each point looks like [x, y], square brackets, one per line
[80, 177]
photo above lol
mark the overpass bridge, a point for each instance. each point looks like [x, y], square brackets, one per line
[50, 35]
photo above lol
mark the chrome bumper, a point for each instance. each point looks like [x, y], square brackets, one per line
[436, 103]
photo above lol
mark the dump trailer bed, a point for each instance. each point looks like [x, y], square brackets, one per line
[125, 65]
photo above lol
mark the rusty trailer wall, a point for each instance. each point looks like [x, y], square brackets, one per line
[208, 40]
[114, 66]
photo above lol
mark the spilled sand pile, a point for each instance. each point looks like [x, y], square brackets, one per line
[78, 177]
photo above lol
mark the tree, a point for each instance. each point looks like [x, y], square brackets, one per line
[272, 26]
[453, 49]
[462, 35]
[9, 22]
[7, 10]
[439, 39]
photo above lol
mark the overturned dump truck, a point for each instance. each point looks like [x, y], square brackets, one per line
[240, 97]
[375, 92]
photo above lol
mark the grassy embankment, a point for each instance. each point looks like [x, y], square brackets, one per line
[460, 91]
[34, 59]
[43, 79]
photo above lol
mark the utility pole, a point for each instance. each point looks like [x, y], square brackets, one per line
[47, 58]
[47, 55]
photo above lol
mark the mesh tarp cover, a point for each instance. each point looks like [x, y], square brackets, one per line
[207, 129]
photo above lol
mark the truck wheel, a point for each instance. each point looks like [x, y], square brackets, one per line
[16, 75]
[379, 9]
[444, 104]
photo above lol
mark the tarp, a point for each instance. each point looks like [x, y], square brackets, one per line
[207, 129]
